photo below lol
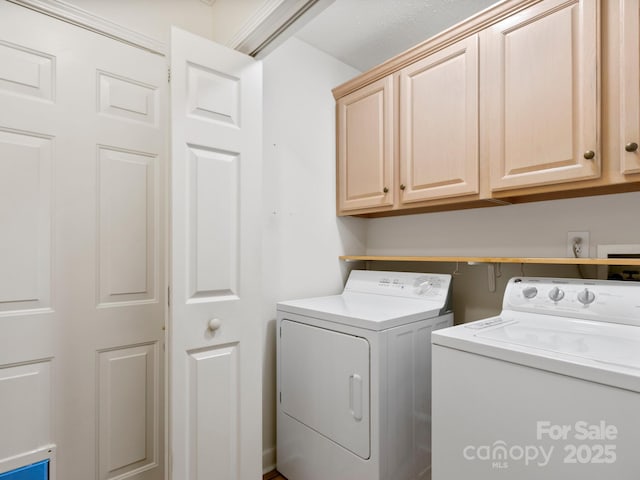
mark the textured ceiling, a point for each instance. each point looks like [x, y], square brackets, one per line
[365, 33]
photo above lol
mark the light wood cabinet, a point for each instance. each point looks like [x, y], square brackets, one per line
[629, 137]
[528, 100]
[414, 146]
[541, 74]
[439, 156]
[365, 144]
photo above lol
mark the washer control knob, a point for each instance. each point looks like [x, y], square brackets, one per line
[424, 287]
[586, 296]
[530, 292]
[556, 294]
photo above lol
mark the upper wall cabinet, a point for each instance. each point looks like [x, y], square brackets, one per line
[365, 148]
[540, 74]
[528, 100]
[439, 154]
[629, 138]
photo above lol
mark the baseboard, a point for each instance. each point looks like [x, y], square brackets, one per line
[268, 460]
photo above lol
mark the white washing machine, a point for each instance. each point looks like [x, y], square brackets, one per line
[549, 389]
[354, 378]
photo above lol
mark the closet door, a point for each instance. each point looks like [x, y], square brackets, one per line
[215, 329]
[81, 284]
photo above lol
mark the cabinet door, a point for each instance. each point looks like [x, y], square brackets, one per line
[541, 75]
[365, 147]
[439, 124]
[630, 86]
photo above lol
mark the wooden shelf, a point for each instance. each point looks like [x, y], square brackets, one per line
[523, 260]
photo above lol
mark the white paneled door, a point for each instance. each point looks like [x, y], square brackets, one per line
[215, 374]
[82, 296]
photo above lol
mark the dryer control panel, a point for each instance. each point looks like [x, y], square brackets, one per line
[599, 300]
[426, 286]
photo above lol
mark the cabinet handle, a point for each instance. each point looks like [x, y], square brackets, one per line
[385, 190]
[402, 186]
[589, 154]
[631, 147]
[355, 396]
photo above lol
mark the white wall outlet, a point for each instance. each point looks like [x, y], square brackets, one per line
[578, 244]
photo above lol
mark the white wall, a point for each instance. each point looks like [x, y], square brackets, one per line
[302, 235]
[527, 230]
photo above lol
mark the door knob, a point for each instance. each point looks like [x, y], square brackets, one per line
[385, 190]
[589, 154]
[214, 324]
[402, 186]
[631, 147]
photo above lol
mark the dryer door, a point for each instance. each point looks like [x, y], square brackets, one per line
[325, 383]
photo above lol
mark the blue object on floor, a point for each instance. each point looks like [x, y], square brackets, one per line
[36, 471]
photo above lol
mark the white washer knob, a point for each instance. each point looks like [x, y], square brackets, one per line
[423, 288]
[530, 292]
[586, 296]
[556, 294]
[214, 324]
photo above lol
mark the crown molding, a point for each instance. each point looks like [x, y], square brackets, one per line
[472, 25]
[77, 16]
[270, 21]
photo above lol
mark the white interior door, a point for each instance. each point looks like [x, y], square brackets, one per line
[82, 301]
[215, 330]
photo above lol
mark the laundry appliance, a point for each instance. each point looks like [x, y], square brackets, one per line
[549, 389]
[354, 378]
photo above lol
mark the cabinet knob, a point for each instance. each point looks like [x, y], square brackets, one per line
[631, 147]
[402, 186]
[385, 190]
[214, 324]
[589, 154]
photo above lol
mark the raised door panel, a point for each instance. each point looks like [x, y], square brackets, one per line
[127, 410]
[25, 214]
[211, 450]
[630, 86]
[365, 147]
[439, 124]
[25, 408]
[541, 78]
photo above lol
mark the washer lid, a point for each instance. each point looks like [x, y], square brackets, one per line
[369, 311]
[603, 352]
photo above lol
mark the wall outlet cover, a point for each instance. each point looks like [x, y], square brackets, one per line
[578, 244]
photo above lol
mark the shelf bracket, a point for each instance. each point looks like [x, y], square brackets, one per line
[491, 276]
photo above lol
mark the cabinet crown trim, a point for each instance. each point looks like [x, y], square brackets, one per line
[464, 29]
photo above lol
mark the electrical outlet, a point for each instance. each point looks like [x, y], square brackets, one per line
[578, 244]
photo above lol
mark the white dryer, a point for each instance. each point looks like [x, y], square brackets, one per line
[549, 389]
[354, 378]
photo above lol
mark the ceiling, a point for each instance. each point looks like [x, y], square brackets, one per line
[365, 33]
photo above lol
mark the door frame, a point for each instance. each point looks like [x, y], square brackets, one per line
[83, 18]
[257, 36]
